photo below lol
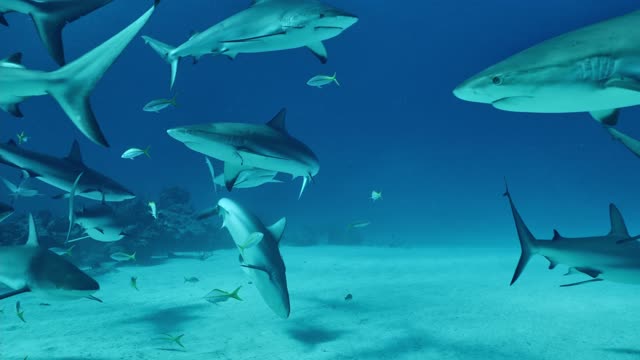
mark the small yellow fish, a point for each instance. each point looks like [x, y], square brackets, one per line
[359, 224]
[376, 195]
[175, 339]
[191, 280]
[153, 210]
[120, 256]
[216, 296]
[134, 283]
[321, 80]
[22, 138]
[20, 312]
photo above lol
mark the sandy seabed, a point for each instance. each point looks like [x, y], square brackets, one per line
[423, 303]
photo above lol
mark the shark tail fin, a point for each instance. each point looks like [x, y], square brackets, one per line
[618, 227]
[527, 241]
[235, 295]
[165, 52]
[72, 84]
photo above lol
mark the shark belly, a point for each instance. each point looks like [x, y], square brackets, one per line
[16, 84]
[14, 266]
[271, 281]
[106, 235]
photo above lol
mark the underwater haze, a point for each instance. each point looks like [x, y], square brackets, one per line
[421, 273]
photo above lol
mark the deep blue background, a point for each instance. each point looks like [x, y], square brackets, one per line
[393, 125]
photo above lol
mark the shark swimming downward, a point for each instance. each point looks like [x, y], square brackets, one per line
[267, 25]
[31, 268]
[70, 85]
[614, 256]
[595, 69]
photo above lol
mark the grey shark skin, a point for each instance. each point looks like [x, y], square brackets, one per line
[50, 17]
[267, 25]
[594, 69]
[33, 268]
[610, 257]
[101, 223]
[250, 178]
[5, 211]
[262, 261]
[244, 146]
[70, 85]
[62, 172]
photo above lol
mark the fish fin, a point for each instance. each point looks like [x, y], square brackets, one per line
[13, 109]
[207, 213]
[618, 227]
[77, 239]
[527, 240]
[335, 79]
[99, 230]
[14, 292]
[556, 235]
[259, 268]
[231, 173]
[11, 186]
[588, 271]
[234, 293]
[3, 21]
[319, 51]
[72, 194]
[581, 282]
[254, 239]
[15, 58]
[627, 83]
[33, 234]
[91, 297]
[146, 151]
[164, 50]
[571, 271]
[50, 30]
[212, 172]
[277, 229]
[178, 340]
[606, 117]
[552, 264]
[75, 154]
[72, 84]
[230, 55]
[277, 122]
[305, 180]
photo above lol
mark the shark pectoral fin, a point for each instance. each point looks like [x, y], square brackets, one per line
[99, 230]
[606, 117]
[91, 297]
[571, 271]
[13, 109]
[581, 282]
[32, 240]
[231, 173]
[305, 180]
[15, 292]
[257, 268]
[552, 264]
[319, 51]
[50, 30]
[253, 240]
[618, 227]
[630, 143]
[3, 21]
[627, 83]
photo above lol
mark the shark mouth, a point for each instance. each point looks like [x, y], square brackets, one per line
[511, 103]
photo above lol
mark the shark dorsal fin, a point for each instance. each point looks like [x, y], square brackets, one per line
[277, 229]
[278, 121]
[11, 142]
[13, 59]
[618, 228]
[75, 154]
[556, 235]
[33, 235]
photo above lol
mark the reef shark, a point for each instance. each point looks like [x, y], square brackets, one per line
[100, 222]
[246, 146]
[50, 17]
[62, 172]
[595, 69]
[614, 256]
[267, 25]
[70, 85]
[33, 268]
[259, 253]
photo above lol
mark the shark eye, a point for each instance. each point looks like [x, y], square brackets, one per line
[497, 80]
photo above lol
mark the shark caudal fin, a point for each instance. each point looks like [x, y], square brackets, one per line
[527, 240]
[72, 84]
[164, 50]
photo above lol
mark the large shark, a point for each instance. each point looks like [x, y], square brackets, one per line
[259, 253]
[62, 172]
[614, 256]
[50, 17]
[267, 25]
[70, 85]
[101, 223]
[595, 69]
[245, 146]
[33, 268]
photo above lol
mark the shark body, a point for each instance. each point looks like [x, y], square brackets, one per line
[267, 25]
[614, 256]
[259, 253]
[50, 17]
[31, 268]
[62, 172]
[70, 85]
[246, 146]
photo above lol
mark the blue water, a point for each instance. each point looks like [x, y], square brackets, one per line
[392, 126]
